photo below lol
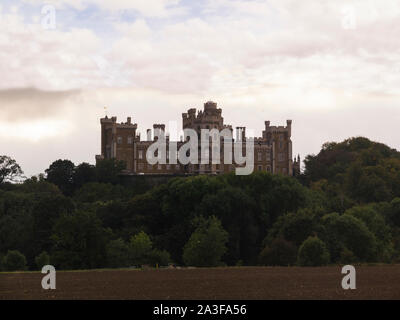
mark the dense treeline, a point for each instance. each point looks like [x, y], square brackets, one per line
[344, 208]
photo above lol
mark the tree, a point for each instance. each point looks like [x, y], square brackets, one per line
[356, 170]
[279, 253]
[375, 223]
[347, 231]
[39, 185]
[16, 221]
[42, 260]
[294, 227]
[394, 212]
[237, 212]
[140, 247]
[206, 245]
[95, 191]
[14, 261]
[347, 257]
[159, 257]
[83, 173]
[313, 253]
[79, 241]
[1, 262]
[117, 254]
[61, 174]
[46, 210]
[9, 169]
[108, 170]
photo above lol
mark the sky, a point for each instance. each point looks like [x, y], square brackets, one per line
[333, 67]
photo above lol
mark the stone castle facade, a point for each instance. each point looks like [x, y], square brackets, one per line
[272, 151]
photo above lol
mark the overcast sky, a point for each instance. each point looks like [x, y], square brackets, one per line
[333, 67]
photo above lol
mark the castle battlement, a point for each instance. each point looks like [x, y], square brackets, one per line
[273, 150]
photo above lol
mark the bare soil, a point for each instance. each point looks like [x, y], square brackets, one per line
[373, 282]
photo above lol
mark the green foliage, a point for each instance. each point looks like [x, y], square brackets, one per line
[39, 186]
[140, 247]
[294, 227]
[393, 215]
[313, 252]
[42, 260]
[375, 223]
[347, 257]
[75, 211]
[237, 212]
[61, 173]
[159, 257]
[96, 191]
[347, 231]
[46, 210]
[141, 252]
[356, 169]
[117, 254]
[206, 245]
[16, 221]
[279, 253]
[1, 262]
[107, 171]
[83, 173]
[9, 169]
[246, 206]
[79, 241]
[14, 261]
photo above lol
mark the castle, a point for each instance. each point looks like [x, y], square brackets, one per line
[272, 151]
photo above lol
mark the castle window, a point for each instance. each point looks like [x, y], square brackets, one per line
[259, 156]
[259, 168]
[168, 167]
[119, 140]
[281, 156]
[159, 167]
[140, 154]
[130, 140]
[268, 168]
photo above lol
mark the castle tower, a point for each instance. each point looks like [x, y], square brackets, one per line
[118, 141]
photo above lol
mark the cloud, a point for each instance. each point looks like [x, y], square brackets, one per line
[148, 8]
[29, 104]
[267, 60]
[50, 60]
[229, 45]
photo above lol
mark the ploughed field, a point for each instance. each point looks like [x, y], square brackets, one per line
[373, 282]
